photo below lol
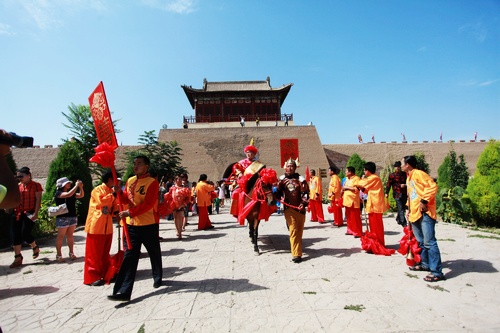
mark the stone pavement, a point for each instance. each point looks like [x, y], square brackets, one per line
[213, 282]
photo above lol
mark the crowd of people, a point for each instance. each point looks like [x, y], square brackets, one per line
[142, 200]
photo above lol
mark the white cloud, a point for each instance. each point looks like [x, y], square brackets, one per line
[47, 14]
[175, 6]
[6, 29]
[476, 30]
[477, 83]
[487, 83]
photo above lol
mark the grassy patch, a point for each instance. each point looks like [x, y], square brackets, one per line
[437, 288]
[358, 307]
[142, 329]
[46, 251]
[309, 292]
[446, 240]
[28, 272]
[413, 276]
[325, 279]
[468, 285]
[483, 236]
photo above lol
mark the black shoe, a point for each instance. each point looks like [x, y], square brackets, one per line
[97, 283]
[297, 259]
[119, 297]
[157, 284]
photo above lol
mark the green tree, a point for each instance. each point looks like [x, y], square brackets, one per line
[69, 163]
[459, 174]
[444, 173]
[421, 162]
[164, 156]
[483, 190]
[358, 163]
[81, 126]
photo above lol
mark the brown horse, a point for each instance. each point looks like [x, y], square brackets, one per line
[256, 202]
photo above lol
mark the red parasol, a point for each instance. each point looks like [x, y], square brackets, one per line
[308, 174]
[408, 246]
[371, 244]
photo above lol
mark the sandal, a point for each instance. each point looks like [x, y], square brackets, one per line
[60, 259]
[72, 256]
[35, 252]
[434, 278]
[418, 268]
[18, 261]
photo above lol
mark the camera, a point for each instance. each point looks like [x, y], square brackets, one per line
[12, 139]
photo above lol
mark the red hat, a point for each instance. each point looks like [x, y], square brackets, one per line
[251, 148]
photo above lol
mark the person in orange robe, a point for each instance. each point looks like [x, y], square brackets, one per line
[335, 196]
[375, 204]
[351, 201]
[99, 229]
[316, 198]
[203, 200]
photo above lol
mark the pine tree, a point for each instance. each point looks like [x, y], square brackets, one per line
[358, 163]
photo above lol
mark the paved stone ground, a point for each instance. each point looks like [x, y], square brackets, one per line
[213, 282]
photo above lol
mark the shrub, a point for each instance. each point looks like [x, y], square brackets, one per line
[483, 190]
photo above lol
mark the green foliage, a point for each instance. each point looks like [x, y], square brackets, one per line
[444, 174]
[69, 163]
[421, 162]
[164, 156]
[45, 225]
[358, 163]
[384, 176]
[81, 125]
[483, 190]
[452, 208]
[459, 176]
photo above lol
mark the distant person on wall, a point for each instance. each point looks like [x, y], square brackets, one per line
[141, 196]
[257, 122]
[242, 121]
[293, 192]
[351, 201]
[397, 181]
[360, 139]
[316, 198]
[66, 223]
[26, 214]
[422, 215]
[286, 120]
[203, 199]
[185, 124]
[372, 186]
[335, 197]
[99, 229]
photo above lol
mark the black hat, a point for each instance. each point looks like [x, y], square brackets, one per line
[397, 164]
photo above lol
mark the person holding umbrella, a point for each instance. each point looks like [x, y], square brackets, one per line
[99, 229]
[422, 215]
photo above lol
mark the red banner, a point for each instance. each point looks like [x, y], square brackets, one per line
[102, 117]
[289, 148]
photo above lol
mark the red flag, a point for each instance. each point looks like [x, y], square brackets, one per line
[102, 117]
[308, 174]
[105, 131]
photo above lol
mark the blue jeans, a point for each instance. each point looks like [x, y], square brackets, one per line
[424, 231]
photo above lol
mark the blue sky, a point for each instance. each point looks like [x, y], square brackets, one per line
[358, 67]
